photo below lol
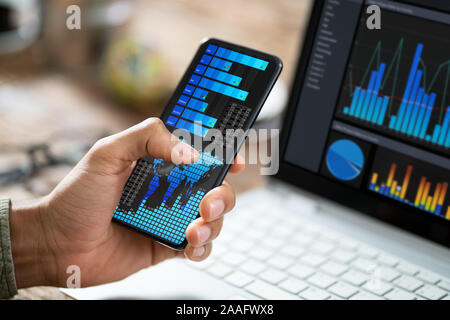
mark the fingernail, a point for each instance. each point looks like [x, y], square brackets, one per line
[216, 208]
[203, 234]
[188, 154]
[198, 252]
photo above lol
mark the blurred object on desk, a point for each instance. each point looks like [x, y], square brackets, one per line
[34, 35]
[136, 74]
[20, 24]
[73, 49]
[20, 28]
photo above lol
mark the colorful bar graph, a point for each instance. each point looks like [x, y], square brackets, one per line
[197, 105]
[427, 197]
[242, 58]
[415, 110]
[406, 182]
[210, 75]
[200, 94]
[368, 96]
[220, 64]
[195, 116]
[404, 122]
[409, 85]
[223, 76]
[223, 89]
[192, 127]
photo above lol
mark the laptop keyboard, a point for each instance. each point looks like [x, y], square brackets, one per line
[281, 255]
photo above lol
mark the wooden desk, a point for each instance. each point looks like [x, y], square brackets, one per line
[50, 103]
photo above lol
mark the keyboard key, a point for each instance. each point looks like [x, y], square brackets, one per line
[280, 262]
[267, 291]
[283, 230]
[355, 277]
[428, 276]
[242, 245]
[255, 234]
[348, 243]
[312, 227]
[368, 252]
[260, 253]
[399, 294]
[239, 279]
[293, 285]
[233, 258]
[201, 264]
[218, 250]
[363, 264]
[273, 242]
[301, 271]
[252, 266]
[302, 239]
[407, 268]
[431, 292]
[444, 284]
[343, 290]
[321, 280]
[387, 274]
[293, 251]
[343, 256]
[408, 283]
[314, 294]
[322, 247]
[330, 235]
[378, 287]
[387, 259]
[313, 259]
[219, 270]
[334, 268]
[362, 295]
[273, 276]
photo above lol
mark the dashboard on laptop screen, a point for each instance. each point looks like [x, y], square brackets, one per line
[373, 111]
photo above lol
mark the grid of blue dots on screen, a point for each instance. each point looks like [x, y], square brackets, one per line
[170, 218]
[167, 223]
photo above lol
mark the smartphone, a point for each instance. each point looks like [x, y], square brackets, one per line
[222, 91]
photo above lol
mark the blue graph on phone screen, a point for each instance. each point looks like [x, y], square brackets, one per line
[172, 199]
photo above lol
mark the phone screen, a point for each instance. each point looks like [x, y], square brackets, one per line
[223, 89]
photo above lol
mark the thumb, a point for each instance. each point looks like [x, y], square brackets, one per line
[149, 137]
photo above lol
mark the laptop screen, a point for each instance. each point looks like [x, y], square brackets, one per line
[372, 112]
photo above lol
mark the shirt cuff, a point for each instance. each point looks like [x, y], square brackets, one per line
[8, 286]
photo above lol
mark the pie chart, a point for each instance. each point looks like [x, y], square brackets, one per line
[345, 159]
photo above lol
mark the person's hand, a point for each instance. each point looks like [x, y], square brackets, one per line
[72, 225]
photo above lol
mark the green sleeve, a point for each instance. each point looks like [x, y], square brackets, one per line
[8, 286]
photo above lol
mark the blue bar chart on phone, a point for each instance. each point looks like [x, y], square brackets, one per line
[212, 77]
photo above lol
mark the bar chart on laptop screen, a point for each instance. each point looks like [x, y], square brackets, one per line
[410, 181]
[398, 81]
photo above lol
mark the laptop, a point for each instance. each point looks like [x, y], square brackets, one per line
[359, 208]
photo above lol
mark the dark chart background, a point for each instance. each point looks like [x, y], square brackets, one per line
[395, 45]
[418, 185]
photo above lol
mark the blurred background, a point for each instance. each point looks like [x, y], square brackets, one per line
[61, 89]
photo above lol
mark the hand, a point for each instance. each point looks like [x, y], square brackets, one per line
[72, 225]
